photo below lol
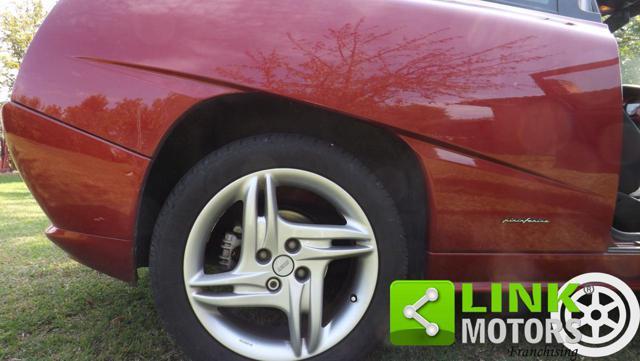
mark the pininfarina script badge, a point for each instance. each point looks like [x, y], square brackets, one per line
[525, 220]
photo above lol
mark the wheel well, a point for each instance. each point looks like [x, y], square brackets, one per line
[219, 121]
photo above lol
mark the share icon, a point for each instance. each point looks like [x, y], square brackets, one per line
[411, 311]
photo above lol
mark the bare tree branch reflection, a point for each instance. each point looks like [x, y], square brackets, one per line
[356, 65]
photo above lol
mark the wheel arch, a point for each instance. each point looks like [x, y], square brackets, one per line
[215, 122]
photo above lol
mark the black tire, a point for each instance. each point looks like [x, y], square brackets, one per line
[243, 157]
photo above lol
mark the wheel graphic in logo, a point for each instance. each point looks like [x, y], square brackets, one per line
[609, 314]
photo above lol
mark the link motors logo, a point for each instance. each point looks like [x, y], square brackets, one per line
[593, 315]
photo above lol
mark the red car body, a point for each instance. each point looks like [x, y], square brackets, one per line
[512, 114]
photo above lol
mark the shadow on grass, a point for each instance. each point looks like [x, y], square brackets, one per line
[10, 178]
[12, 230]
[17, 196]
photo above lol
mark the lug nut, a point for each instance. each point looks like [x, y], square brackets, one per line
[263, 256]
[302, 274]
[353, 298]
[273, 284]
[292, 245]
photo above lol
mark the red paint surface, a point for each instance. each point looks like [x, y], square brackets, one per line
[109, 255]
[87, 187]
[83, 184]
[473, 196]
[541, 267]
[513, 113]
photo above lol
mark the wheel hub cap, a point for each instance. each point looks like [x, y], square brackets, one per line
[283, 265]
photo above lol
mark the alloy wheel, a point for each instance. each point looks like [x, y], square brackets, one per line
[282, 265]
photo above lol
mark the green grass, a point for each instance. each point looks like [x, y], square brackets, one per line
[52, 308]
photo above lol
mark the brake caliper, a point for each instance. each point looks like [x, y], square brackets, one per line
[231, 248]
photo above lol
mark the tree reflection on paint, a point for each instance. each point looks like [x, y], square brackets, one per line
[107, 117]
[355, 66]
